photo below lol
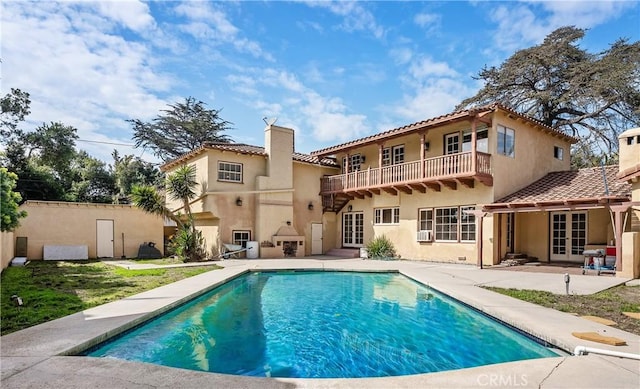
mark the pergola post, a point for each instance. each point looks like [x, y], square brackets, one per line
[479, 215]
[618, 211]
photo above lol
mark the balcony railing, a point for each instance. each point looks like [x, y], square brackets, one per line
[445, 167]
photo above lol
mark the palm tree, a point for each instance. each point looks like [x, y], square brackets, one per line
[180, 185]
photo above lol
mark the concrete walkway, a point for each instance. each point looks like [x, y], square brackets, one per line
[40, 356]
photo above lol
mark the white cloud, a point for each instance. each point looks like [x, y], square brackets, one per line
[76, 72]
[354, 16]
[431, 98]
[425, 67]
[131, 14]
[584, 14]
[533, 26]
[401, 55]
[329, 120]
[305, 25]
[427, 20]
[323, 118]
[212, 27]
[431, 88]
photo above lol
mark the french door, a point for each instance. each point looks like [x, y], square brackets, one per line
[352, 229]
[568, 236]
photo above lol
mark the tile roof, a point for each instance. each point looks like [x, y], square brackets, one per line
[438, 120]
[242, 148]
[575, 185]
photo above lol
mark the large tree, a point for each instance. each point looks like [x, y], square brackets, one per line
[14, 107]
[593, 97]
[129, 170]
[10, 214]
[180, 129]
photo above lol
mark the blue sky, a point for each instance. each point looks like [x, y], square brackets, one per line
[333, 71]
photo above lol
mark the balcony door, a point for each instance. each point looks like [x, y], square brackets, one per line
[352, 229]
[568, 236]
[452, 143]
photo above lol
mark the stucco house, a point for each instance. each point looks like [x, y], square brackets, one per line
[267, 195]
[444, 189]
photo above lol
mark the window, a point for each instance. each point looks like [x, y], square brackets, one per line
[447, 224]
[228, 171]
[506, 141]
[241, 238]
[452, 143]
[482, 141]
[387, 216]
[398, 154]
[386, 156]
[354, 163]
[425, 220]
[558, 152]
[425, 225]
[467, 225]
[451, 224]
[392, 155]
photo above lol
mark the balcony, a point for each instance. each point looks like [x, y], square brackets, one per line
[432, 173]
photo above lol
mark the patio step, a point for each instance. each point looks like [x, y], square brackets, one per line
[344, 253]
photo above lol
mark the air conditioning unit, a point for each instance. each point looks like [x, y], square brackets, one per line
[425, 236]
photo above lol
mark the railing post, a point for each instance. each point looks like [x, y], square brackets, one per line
[422, 139]
[474, 140]
[380, 149]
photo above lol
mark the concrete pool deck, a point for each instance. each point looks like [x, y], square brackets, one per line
[39, 357]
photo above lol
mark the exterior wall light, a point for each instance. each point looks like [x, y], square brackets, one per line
[310, 206]
[426, 146]
[239, 202]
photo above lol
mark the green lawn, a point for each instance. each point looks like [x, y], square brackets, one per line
[52, 289]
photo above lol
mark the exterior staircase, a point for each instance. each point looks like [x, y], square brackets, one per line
[344, 253]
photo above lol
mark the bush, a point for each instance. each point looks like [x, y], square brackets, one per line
[380, 247]
[188, 244]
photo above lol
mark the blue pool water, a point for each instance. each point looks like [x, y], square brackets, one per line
[322, 324]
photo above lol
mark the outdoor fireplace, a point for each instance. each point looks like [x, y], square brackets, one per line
[288, 240]
[289, 248]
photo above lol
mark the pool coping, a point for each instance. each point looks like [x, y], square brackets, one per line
[40, 356]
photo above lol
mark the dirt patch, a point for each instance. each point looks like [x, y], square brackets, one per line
[608, 304]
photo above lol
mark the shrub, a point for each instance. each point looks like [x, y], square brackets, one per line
[188, 244]
[380, 247]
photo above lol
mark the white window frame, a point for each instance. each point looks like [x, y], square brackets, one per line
[355, 162]
[558, 152]
[482, 140]
[237, 238]
[502, 142]
[425, 225]
[397, 154]
[386, 156]
[443, 224]
[456, 143]
[467, 223]
[379, 216]
[229, 175]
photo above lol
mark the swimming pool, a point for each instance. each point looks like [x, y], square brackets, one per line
[322, 324]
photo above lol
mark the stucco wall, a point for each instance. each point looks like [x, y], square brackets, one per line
[403, 234]
[60, 223]
[533, 159]
[7, 244]
[306, 181]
